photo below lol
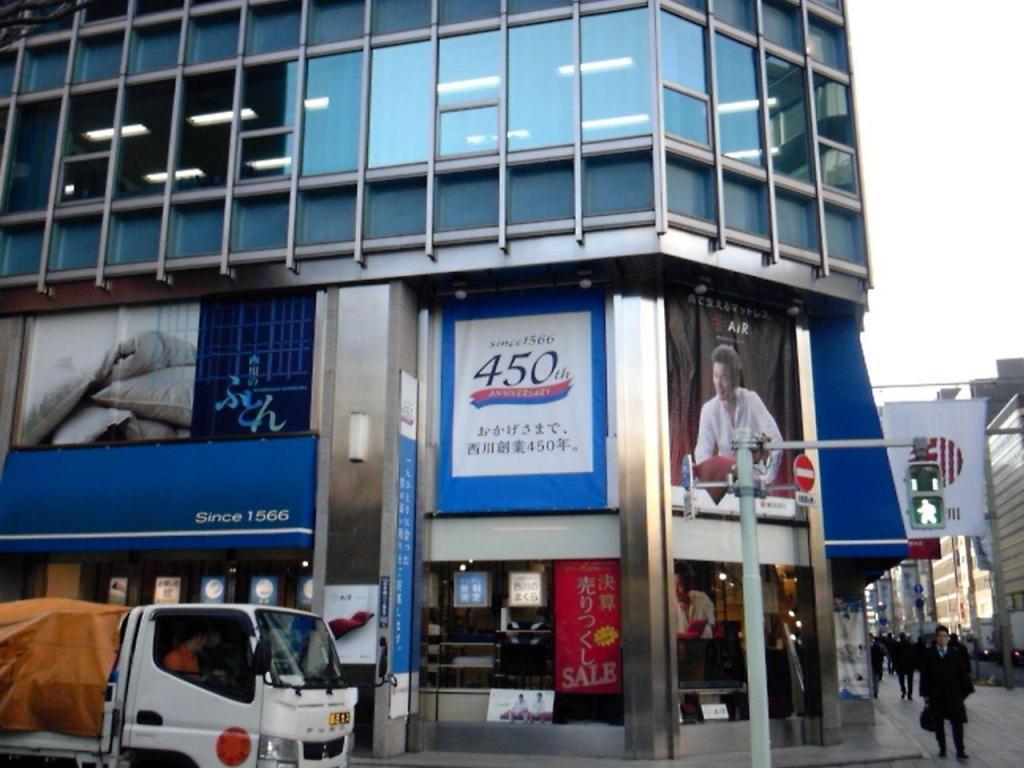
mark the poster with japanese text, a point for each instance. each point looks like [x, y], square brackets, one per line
[588, 628]
[730, 365]
[348, 610]
[523, 407]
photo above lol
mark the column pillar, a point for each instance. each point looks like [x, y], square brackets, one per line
[650, 697]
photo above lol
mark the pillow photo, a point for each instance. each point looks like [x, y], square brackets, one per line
[147, 352]
[163, 395]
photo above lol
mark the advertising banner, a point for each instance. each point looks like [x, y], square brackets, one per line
[167, 590]
[730, 365]
[212, 589]
[509, 705]
[588, 629]
[851, 653]
[404, 633]
[348, 609]
[263, 590]
[956, 432]
[472, 589]
[523, 409]
[169, 371]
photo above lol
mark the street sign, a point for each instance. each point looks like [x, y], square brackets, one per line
[803, 473]
[805, 499]
[919, 602]
[918, 589]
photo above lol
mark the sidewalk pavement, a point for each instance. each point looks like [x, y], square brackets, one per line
[994, 739]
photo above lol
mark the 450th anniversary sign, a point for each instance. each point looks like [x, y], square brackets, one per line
[524, 403]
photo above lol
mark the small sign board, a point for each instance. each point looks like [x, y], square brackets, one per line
[805, 499]
[167, 590]
[472, 589]
[509, 705]
[526, 589]
[714, 711]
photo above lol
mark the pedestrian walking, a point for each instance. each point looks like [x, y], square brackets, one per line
[945, 684]
[877, 661]
[906, 662]
[890, 651]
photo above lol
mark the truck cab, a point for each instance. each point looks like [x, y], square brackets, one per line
[248, 686]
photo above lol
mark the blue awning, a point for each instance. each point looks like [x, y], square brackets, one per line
[862, 513]
[232, 493]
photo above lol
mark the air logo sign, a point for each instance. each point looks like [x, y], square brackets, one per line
[524, 398]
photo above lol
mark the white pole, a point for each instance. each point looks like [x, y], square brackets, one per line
[753, 606]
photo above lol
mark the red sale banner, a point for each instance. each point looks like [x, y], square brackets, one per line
[588, 628]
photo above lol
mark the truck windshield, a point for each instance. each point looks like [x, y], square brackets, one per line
[302, 651]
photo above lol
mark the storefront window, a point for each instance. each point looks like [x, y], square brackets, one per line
[710, 639]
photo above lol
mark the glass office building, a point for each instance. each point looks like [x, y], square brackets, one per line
[421, 303]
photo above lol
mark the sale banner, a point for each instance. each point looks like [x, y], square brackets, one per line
[588, 627]
[523, 403]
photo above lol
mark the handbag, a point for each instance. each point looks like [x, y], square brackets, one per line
[927, 719]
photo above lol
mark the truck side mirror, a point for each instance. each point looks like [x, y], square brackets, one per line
[261, 659]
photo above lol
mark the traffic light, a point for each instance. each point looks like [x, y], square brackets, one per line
[924, 495]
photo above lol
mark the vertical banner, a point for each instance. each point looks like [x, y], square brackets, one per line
[588, 629]
[851, 653]
[956, 432]
[730, 365]
[402, 634]
[523, 403]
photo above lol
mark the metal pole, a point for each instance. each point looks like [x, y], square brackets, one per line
[1000, 608]
[753, 608]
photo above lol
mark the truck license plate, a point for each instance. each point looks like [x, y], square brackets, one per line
[339, 718]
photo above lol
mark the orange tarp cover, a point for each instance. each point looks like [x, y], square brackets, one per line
[55, 656]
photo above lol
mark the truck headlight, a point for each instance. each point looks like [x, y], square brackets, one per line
[281, 750]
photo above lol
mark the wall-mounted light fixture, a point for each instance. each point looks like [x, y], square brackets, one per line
[459, 289]
[795, 308]
[358, 436]
[700, 288]
[586, 277]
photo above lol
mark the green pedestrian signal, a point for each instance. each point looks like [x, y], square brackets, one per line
[924, 495]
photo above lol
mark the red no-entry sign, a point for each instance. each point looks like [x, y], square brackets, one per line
[803, 473]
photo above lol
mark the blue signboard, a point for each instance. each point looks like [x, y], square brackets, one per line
[524, 403]
[233, 493]
[254, 366]
[472, 589]
[405, 544]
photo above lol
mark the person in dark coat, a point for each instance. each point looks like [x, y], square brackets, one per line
[889, 643]
[906, 662]
[945, 684]
[877, 661]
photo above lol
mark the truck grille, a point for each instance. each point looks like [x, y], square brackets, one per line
[323, 750]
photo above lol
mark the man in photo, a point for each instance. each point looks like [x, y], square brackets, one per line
[731, 408]
[695, 611]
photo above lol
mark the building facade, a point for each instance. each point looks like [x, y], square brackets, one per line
[437, 317]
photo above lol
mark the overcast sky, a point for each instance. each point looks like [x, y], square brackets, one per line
[941, 118]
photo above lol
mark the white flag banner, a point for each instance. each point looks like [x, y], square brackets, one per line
[956, 432]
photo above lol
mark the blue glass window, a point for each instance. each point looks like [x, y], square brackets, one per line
[468, 68]
[134, 237]
[35, 138]
[468, 130]
[98, 58]
[685, 116]
[540, 192]
[466, 200]
[691, 188]
[522, 6]
[746, 205]
[838, 169]
[617, 184]
[832, 103]
[327, 216]
[782, 24]
[106, 9]
[739, 100]
[273, 27]
[75, 244]
[787, 119]
[44, 68]
[396, 207]
[212, 37]
[268, 100]
[20, 248]
[400, 104]
[845, 232]
[154, 48]
[205, 131]
[453, 11]
[739, 13]
[540, 68]
[145, 139]
[331, 20]
[144, 7]
[266, 156]
[682, 52]
[6, 74]
[827, 43]
[259, 222]
[196, 230]
[616, 75]
[89, 130]
[796, 217]
[331, 129]
[399, 15]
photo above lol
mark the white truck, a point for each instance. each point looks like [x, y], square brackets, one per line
[200, 686]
